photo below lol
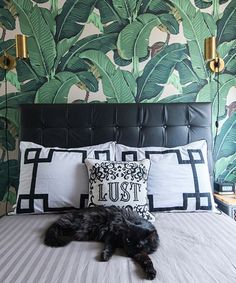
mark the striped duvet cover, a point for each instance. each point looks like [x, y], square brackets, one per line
[194, 247]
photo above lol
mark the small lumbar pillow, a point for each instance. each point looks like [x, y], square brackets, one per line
[56, 179]
[123, 184]
[178, 177]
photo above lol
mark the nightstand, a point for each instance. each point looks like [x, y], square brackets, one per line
[227, 204]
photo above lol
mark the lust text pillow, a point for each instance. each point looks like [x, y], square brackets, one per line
[55, 179]
[178, 178]
[123, 184]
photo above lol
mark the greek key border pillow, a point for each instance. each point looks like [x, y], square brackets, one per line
[56, 179]
[122, 184]
[178, 178]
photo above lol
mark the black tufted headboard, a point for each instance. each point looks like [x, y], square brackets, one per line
[76, 125]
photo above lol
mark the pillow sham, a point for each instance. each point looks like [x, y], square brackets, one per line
[178, 178]
[55, 179]
[122, 184]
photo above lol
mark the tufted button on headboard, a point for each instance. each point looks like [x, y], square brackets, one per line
[154, 124]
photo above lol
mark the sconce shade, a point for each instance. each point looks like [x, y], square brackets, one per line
[7, 62]
[21, 46]
[217, 65]
[210, 48]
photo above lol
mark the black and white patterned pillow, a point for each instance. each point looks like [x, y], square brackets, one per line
[123, 184]
[56, 179]
[178, 178]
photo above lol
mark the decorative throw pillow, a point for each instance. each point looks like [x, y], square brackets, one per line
[55, 179]
[178, 178]
[123, 184]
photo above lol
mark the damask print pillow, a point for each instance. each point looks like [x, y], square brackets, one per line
[123, 184]
[55, 179]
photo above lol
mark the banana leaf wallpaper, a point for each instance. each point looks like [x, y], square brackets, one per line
[138, 51]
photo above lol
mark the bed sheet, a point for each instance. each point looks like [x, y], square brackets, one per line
[194, 247]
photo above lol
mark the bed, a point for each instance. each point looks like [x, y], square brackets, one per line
[194, 246]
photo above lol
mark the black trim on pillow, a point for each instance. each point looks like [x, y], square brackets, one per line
[36, 160]
[192, 161]
[125, 153]
[186, 196]
[98, 152]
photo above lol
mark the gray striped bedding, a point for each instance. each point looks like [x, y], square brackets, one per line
[194, 247]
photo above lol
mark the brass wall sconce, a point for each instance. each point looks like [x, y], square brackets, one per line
[7, 61]
[216, 63]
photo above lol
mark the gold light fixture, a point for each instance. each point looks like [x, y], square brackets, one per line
[216, 63]
[7, 61]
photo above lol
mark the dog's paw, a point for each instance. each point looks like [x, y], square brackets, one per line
[151, 273]
[105, 256]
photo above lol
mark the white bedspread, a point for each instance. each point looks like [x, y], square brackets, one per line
[194, 247]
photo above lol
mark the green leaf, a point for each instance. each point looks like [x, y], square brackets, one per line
[107, 11]
[32, 85]
[25, 71]
[62, 48]
[169, 23]
[196, 26]
[5, 45]
[74, 12]
[227, 51]
[225, 168]
[95, 19]
[103, 42]
[89, 80]
[49, 19]
[186, 72]
[203, 4]
[40, 1]
[131, 82]
[225, 142]
[13, 79]
[158, 70]
[194, 87]
[155, 6]
[175, 81]
[225, 47]
[134, 38]
[226, 25]
[125, 8]
[120, 61]
[6, 19]
[190, 97]
[76, 65]
[13, 102]
[2, 74]
[41, 45]
[10, 197]
[188, 78]
[230, 62]
[114, 81]
[57, 89]
[14, 99]
[114, 27]
[7, 139]
[14, 176]
[12, 116]
[209, 93]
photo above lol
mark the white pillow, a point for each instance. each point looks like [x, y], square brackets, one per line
[122, 184]
[55, 179]
[178, 178]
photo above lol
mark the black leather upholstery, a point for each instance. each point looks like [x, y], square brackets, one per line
[76, 125]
